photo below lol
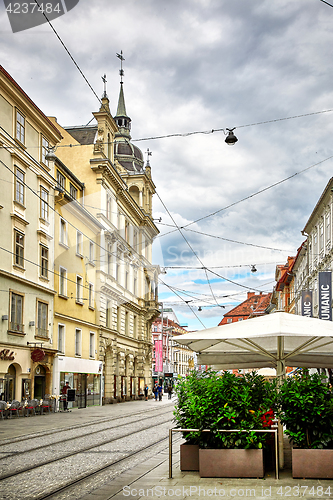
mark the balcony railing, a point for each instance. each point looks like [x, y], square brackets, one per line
[16, 327]
[41, 332]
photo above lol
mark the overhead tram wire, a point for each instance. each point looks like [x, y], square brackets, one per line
[227, 239]
[187, 242]
[69, 54]
[247, 197]
[211, 131]
[195, 314]
[72, 225]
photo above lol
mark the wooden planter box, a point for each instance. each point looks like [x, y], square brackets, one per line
[312, 464]
[231, 463]
[189, 457]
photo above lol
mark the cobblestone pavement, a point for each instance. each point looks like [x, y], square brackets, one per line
[95, 437]
[144, 475]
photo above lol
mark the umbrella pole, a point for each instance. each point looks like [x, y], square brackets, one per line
[280, 373]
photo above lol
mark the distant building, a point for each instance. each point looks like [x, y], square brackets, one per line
[253, 306]
[283, 296]
[168, 357]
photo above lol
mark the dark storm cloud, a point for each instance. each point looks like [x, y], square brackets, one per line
[197, 65]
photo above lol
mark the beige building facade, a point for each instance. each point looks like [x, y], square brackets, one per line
[118, 191]
[27, 344]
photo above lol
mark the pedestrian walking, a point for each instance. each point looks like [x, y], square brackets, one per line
[160, 392]
[169, 391]
[146, 392]
[155, 391]
[64, 395]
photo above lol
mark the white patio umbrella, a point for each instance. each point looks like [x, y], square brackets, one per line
[274, 340]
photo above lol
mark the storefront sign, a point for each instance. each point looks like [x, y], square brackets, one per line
[37, 355]
[7, 355]
[307, 303]
[325, 295]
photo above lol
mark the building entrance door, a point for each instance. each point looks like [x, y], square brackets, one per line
[81, 390]
[39, 383]
[9, 385]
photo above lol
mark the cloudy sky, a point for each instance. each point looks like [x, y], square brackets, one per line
[198, 66]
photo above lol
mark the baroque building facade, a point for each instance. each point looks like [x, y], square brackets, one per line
[118, 192]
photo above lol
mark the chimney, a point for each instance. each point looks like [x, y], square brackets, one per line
[250, 294]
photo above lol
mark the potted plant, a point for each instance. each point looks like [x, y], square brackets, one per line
[215, 401]
[306, 410]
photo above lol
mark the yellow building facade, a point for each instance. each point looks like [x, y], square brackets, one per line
[77, 253]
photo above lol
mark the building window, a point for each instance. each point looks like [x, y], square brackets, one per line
[321, 236]
[126, 280]
[78, 349]
[62, 281]
[229, 320]
[118, 319]
[16, 313]
[108, 207]
[135, 240]
[42, 319]
[92, 345]
[19, 248]
[44, 203]
[19, 185]
[108, 313]
[20, 127]
[61, 338]
[63, 232]
[73, 192]
[91, 252]
[126, 231]
[61, 180]
[45, 150]
[91, 295]
[44, 261]
[135, 326]
[79, 285]
[109, 261]
[79, 240]
[126, 323]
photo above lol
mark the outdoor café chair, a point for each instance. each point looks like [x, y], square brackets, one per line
[14, 407]
[3, 408]
[31, 406]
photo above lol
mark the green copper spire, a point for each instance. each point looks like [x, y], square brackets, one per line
[121, 110]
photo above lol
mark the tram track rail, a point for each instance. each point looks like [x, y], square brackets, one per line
[80, 451]
[35, 435]
[67, 429]
[54, 494]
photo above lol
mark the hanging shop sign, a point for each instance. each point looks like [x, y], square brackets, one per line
[37, 355]
[7, 355]
[307, 303]
[325, 295]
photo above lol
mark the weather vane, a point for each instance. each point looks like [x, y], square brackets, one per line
[104, 81]
[121, 71]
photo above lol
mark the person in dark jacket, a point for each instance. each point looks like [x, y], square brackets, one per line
[160, 392]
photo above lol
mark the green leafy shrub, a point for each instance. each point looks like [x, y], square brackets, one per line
[215, 401]
[306, 409]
